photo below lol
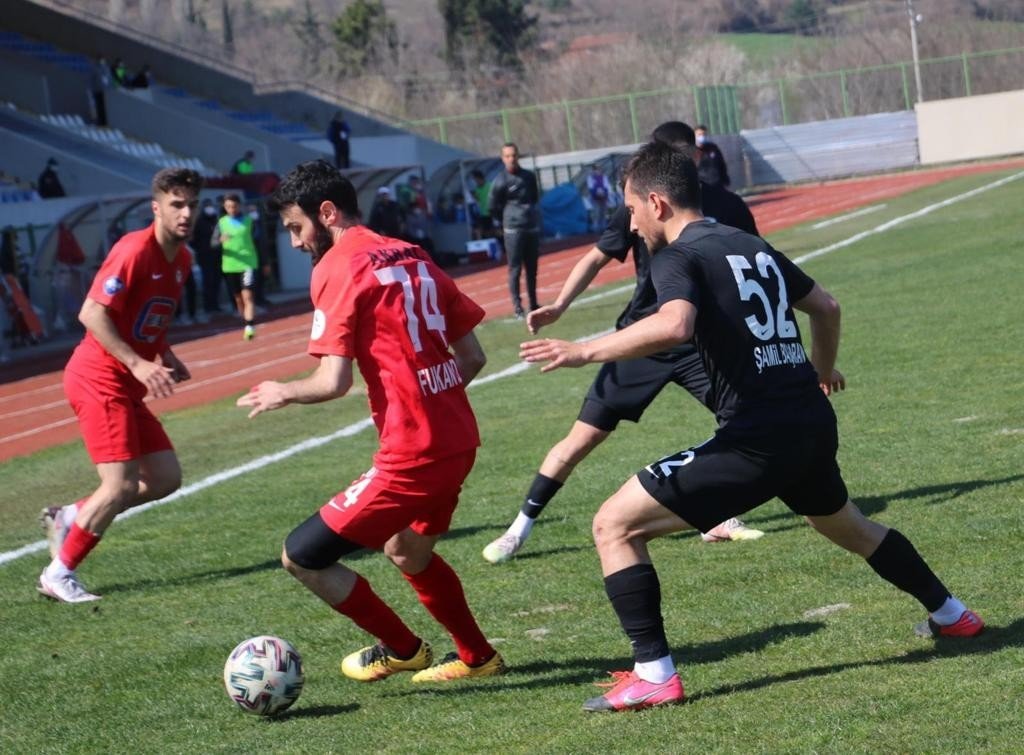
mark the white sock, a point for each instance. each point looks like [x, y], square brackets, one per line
[57, 569]
[656, 672]
[949, 613]
[68, 514]
[521, 526]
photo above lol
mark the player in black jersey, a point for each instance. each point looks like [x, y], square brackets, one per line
[623, 389]
[734, 296]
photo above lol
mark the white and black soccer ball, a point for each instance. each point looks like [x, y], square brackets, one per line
[263, 675]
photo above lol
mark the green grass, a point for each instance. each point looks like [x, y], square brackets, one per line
[931, 430]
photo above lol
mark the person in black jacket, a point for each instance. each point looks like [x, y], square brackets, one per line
[49, 185]
[711, 166]
[338, 133]
[514, 208]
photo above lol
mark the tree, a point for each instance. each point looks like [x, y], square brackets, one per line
[495, 31]
[363, 35]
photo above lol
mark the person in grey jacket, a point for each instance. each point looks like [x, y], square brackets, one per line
[514, 208]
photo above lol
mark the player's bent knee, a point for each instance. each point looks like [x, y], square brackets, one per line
[313, 546]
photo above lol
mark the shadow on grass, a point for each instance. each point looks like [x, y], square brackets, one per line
[992, 640]
[541, 673]
[317, 711]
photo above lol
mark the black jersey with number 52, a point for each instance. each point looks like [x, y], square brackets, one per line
[748, 339]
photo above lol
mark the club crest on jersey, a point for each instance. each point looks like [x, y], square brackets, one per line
[319, 325]
[178, 276]
[112, 285]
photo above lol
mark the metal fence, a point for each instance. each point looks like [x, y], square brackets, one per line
[589, 123]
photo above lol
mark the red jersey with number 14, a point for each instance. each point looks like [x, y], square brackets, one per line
[384, 304]
[140, 290]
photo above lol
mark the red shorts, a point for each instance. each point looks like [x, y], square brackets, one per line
[114, 426]
[382, 503]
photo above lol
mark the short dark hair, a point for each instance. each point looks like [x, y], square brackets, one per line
[660, 168]
[513, 145]
[168, 179]
[476, 173]
[701, 127]
[675, 134]
[311, 183]
[233, 198]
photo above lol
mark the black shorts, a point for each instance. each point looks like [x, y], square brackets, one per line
[624, 389]
[726, 477]
[238, 281]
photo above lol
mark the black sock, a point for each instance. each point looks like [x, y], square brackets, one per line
[635, 594]
[541, 492]
[249, 323]
[898, 562]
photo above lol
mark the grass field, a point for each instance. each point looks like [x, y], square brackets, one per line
[785, 644]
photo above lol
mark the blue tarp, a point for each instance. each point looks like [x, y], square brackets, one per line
[564, 213]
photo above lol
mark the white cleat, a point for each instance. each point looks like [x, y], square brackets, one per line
[502, 549]
[52, 520]
[65, 589]
[731, 529]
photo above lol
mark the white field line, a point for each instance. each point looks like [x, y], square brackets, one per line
[847, 216]
[904, 218]
[263, 461]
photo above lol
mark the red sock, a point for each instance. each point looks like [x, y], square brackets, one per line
[76, 546]
[440, 591]
[373, 615]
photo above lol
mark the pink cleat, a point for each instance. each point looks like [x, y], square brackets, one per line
[630, 692]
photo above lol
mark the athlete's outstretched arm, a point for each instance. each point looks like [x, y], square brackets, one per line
[672, 324]
[581, 276]
[469, 356]
[824, 313]
[157, 378]
[331, 379]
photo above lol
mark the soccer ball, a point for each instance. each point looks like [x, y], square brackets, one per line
[263, 675]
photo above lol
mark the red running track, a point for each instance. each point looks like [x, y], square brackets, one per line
[34, 414]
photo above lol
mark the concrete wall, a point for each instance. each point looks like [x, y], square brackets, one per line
[967, 128]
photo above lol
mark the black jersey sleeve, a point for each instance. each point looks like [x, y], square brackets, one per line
[617, 239]
[798, 283]
[675, 276]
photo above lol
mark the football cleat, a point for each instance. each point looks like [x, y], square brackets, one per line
[502, 549]
[376, 662]
[249, 333]
[630, 692]
[968, 625]
[66, 589]
[731, 529]
[52, 520]
[452, 667]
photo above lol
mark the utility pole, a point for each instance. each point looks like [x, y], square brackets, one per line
[914, 19]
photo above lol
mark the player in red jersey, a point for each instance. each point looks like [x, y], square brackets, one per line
[382, 303]
[124, 356]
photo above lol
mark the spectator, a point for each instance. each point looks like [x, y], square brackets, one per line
[100, 81]
[417, 230]
[119, 72]
[598, 192]
[338, 133]
[514, 208]
[186, 314]
[49, 184]
[480, 191]
[208, 256]
[387, 217]
[711, 167]
[141, 79]
[243, 166]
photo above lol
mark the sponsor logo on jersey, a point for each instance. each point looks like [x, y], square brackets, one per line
[319, 325]
[154, 319]
[112, 285]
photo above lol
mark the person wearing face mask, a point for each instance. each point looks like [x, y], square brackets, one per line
[711, 167]
[208, 256]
